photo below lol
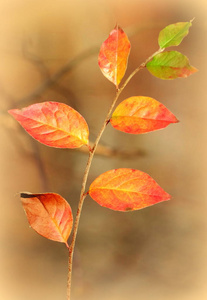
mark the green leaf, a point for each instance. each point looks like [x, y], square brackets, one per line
[170, 65]
[173, 34]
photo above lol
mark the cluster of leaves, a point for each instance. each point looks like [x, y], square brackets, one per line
[59, 125]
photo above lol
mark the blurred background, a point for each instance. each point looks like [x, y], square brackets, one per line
[48, 52]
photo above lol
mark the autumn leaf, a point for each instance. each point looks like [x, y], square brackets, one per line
[49, 215]
[126, 190]
[170, 65]
[53, 124]
[140, 115]
[113, 55]
[173, 34]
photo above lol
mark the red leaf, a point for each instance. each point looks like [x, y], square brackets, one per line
[140, 115]
[53, 124]
[126, 189]
[49, 215]
[113, 55]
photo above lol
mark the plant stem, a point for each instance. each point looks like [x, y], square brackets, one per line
[83, 195]
[87, 169]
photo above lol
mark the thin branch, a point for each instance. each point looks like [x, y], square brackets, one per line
[83, 193]
[107, 151]
[37, 61]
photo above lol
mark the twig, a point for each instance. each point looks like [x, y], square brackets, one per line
[83, 194]
[106, 151]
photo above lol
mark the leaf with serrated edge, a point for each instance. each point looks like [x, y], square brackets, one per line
[170, 65]
[113, 55]
[140, 115]
[126, 189]
[48, 214]
[53, 124]
[173, 34]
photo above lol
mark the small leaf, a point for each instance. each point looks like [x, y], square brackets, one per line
[53, 124]
[113, 55]
[173, 34]
[49, 214]
[170, 65]
[126, 189]
[140, 115]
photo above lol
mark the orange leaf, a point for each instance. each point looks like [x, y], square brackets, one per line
[126, 189]
[113, 55]
[140, 115]
[53, 124]
[49, 215]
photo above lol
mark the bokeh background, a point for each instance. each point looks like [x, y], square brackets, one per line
[48, 51]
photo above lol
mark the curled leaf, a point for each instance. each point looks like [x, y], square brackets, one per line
[49, 214]
[53, 124]
[113, 55]
[173, 34]
[170, 65]
[140, 115]
[126, 190]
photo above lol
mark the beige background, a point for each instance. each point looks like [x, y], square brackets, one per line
[155, 253]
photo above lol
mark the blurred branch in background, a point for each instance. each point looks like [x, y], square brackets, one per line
[52, 81]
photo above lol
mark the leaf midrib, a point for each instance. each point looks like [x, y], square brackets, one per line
[51, 126]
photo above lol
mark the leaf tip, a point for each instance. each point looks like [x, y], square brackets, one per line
[175, 120]
[168, 197]
[194, 70]
[11, 112]
[116, 26]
